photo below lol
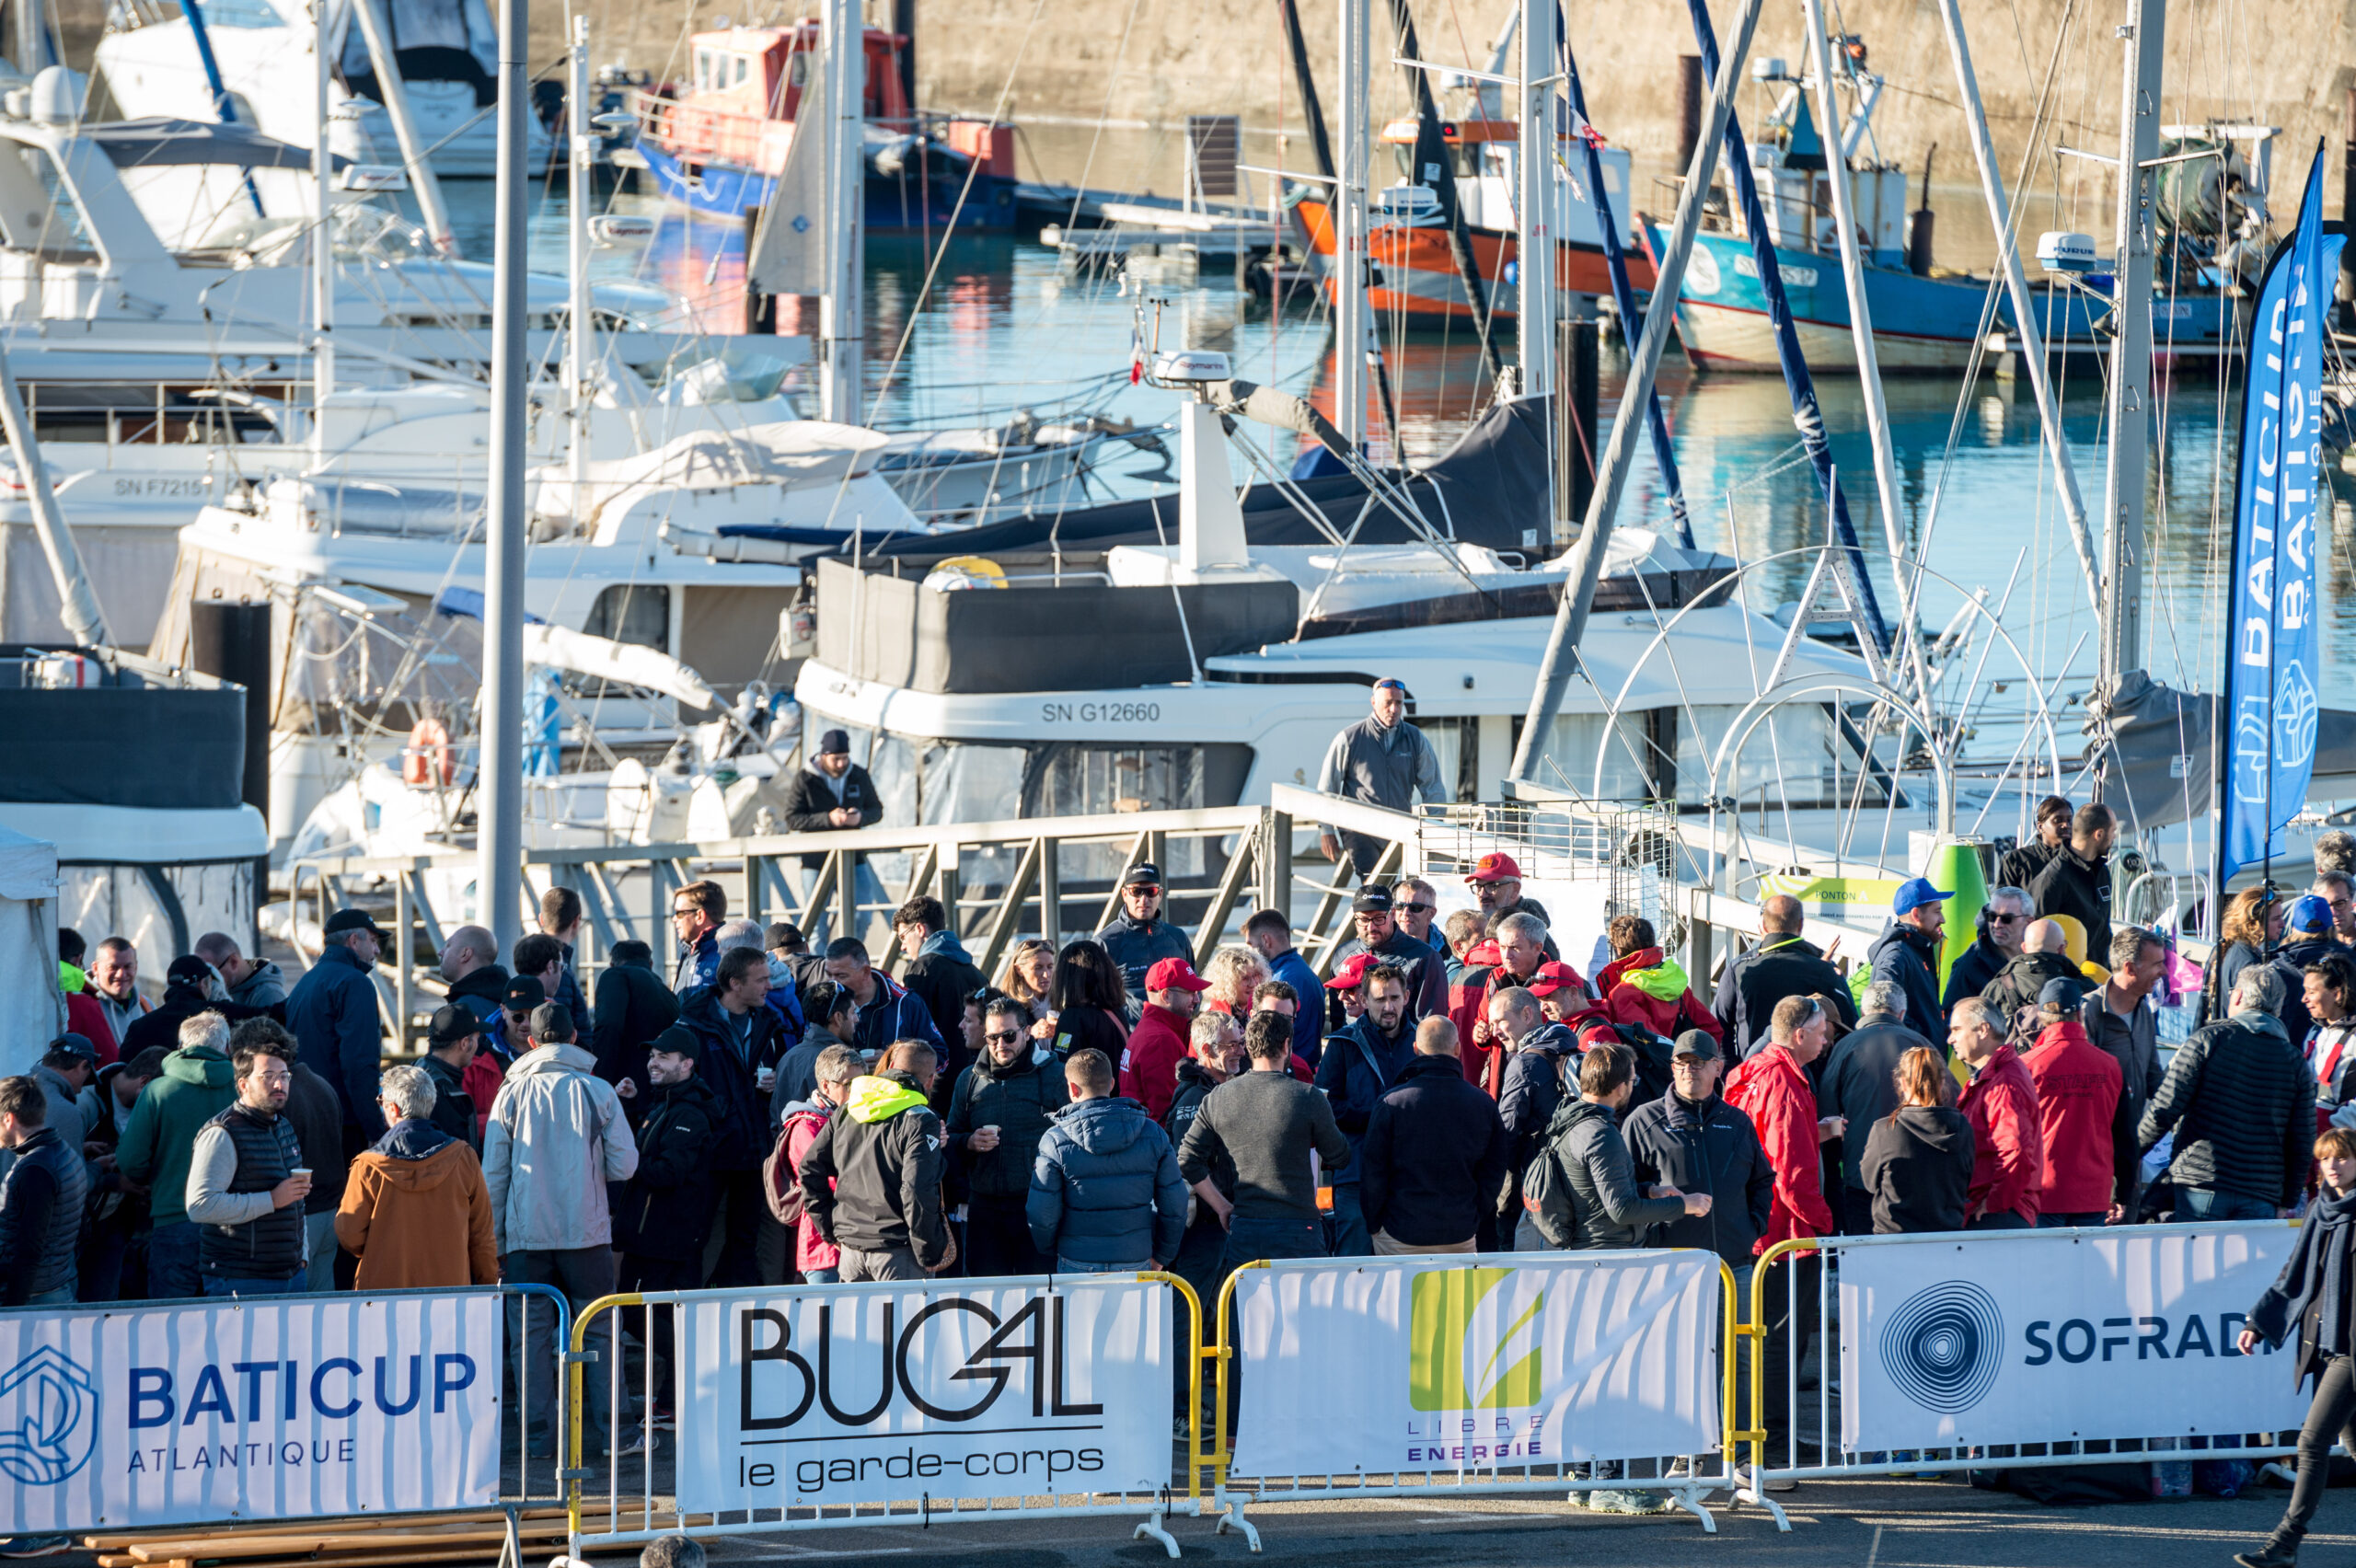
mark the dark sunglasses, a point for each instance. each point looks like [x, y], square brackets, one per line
[2007, 919]
[1003, 1037]
[1418, 908]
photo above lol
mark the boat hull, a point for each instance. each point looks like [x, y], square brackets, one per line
[1723, 322]
[1418, 275]
[894, 203]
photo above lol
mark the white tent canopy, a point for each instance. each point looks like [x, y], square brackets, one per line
[32, 1011]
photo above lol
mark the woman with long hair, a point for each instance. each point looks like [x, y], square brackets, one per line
[1089, 996]
[2314, 1299]
[1030, 975]
[1234, 973]
[2251, 928]
[1917, 1159]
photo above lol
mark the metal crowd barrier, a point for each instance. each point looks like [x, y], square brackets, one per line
[37, 1342]
[1945, 1329]
[1685, 1479]
[655, 1509]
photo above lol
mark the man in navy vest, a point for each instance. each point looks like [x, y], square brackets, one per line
[246, 1184]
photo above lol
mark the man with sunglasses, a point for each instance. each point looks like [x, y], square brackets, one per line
[1002, 1106]
[1380, 936]
[2004, 919]
[1139, 936]
[1414, 906]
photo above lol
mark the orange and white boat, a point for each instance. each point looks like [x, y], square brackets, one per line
[1416, 274]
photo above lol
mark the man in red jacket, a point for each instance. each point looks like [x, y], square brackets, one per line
[2007, 1134]
[2084, 1120]
[1520, 947]
[1150, 1067]
[1772, 1087]
[1642, 984]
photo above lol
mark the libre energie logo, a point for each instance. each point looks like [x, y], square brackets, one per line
[1464, 1357]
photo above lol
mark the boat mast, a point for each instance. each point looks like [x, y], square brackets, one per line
[1352, 323]
[1534, 213]
[2031, 337]
[395, 89]
[843, 38]
[322, 243]
[78, 602]
[1861, 331]
[499, 812]
[579, 334]
[2131, 356]
[1612, 475]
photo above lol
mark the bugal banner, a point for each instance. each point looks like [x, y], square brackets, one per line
[875, 1393]
[1463, 1363]
[2046, 1337]
[129, 1417]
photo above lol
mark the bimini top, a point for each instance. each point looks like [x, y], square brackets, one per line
[158, 142]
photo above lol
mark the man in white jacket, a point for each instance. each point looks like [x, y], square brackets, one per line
[555, 1137]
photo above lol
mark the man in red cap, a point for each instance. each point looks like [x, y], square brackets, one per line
[1379, 935]
[1150, 1067]
[1496, 879]
[1521, 944]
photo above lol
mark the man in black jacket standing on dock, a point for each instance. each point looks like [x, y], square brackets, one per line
[834, 794]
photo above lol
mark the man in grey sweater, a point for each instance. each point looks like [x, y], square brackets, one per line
[1269, 1125]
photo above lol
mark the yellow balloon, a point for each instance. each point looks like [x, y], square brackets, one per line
[2073, 934]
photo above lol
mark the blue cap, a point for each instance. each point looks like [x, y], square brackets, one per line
[2308, 913]
[1915, 894]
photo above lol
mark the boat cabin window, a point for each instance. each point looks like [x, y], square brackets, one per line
[703, 67]
[251, 14]
[632, 612]
[743, 68]
[1462, 158]
[797, 69]
[1568, 759]
[64, 237]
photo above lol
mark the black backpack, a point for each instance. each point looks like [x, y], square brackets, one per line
[1653, 1055]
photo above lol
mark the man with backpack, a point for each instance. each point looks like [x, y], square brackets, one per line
[1580, 1192]
[817, 1259]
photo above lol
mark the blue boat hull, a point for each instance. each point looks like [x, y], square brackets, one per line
[908, 200]
[1920, 324]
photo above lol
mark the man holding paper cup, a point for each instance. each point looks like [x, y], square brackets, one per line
[246, 1183]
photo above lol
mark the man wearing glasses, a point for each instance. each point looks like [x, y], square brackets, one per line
[698, 911]
[1414, 905]
[246, 1183]
[1139, 937]
[2002, 920]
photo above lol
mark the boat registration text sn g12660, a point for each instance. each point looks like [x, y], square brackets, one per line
[1100, 712]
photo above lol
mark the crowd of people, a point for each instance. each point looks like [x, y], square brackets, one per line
[756, 1109]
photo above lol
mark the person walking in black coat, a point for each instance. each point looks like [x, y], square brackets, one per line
[451, 1040]
[2315, 1296]
[665, 1213]
[337, 1028]
[632, 1007]
[1607, 1208]
[1781, 965]
[2242, 1104]
[1916, 1168]
[2076, 881]
[1906, 954]
[1435, 1154]
[1861, 1084]
[1691, 1140]
[1002, 1106]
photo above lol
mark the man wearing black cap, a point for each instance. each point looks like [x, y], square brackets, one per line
[450, 1045]
[338, 1033]
[70, 1065]
[190, 986]
[831, 795]
[667, 1209]
[1139, 937]
[1373, 912]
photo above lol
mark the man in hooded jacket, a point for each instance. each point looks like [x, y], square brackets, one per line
[665, 1211]
[1105, 1195]
[740, 1037]
[1642, 984]
[415, 1210]
[940, 973]
[871, 1182]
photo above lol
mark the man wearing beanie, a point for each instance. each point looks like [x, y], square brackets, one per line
[666, 1211]
[833, 794]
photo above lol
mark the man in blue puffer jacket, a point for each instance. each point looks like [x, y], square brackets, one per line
[1105, 1194]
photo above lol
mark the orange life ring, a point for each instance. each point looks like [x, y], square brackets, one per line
[426, 759]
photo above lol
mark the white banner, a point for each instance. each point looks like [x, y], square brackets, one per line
[2039, 1337]
[127, 1417]
[1461, 1364]
[873, 1393]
